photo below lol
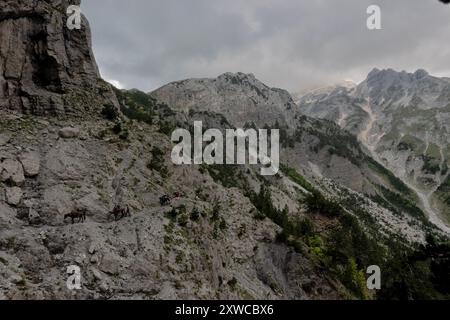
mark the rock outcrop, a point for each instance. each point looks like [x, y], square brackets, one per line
[45, 68]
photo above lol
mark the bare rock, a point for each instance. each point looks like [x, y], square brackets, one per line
[92, 248]
[94, 259]
[16, 279]
[12, 171]
[13, 195]
[67, 160]
[46, 68]
[31, 163]
[110, 265]
[5, 138]
[69, 133]
[58, 200]
[97, 274]
[33, 216]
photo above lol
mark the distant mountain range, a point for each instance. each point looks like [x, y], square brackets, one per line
[404, 120]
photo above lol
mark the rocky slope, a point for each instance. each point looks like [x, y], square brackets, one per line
[402, 118]
[316, 149]
[90, 158]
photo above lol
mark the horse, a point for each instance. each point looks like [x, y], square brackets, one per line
[78, 214]
[123, 212]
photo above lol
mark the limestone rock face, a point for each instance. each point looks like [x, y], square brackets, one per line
[11, 171]
[13, 195]
[45, 68]
[240, 97]
[31, 163]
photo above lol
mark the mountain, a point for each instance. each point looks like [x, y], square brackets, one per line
[317, 149]
[226, 95]
[309, 232]
[402, 118]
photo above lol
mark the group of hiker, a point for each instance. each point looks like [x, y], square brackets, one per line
[118, 212]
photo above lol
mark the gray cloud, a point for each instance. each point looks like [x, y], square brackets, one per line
[292, 44]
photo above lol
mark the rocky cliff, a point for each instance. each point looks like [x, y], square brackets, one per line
[45, 68]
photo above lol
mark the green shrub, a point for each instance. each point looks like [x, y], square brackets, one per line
[233, 283]
[195, 214]
[183, 220]
[317, 203]
[305, 227]
[157, 162]
[110, 112]
[297, 178]
[117, 128]
[223, 224]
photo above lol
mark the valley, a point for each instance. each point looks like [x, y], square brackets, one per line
[405, 129]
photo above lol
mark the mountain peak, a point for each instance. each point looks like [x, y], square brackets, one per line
[240, 97]
[238, 77]
[373, 72]
[420, 73]
[391, 73]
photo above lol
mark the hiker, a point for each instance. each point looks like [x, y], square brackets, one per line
[177, 195]
[164, 200]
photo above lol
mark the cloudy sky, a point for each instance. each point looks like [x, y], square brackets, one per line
[291, 44]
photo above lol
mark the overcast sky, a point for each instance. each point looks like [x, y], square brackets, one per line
[291, 44]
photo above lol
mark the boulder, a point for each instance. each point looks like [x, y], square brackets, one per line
[69, 133]
[110, 265]
[13, 195]
[97, 274]
[33, 216]
[11, 171]
[16, 279]
[92, 248]
[31, 163]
